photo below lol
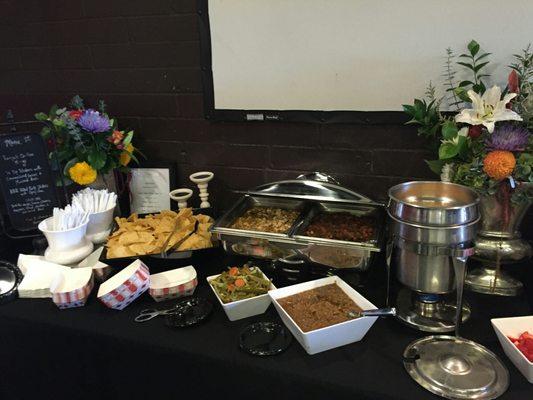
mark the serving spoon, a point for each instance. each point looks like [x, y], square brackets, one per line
[377, 312]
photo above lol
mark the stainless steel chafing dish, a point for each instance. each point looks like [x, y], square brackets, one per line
[311, 195]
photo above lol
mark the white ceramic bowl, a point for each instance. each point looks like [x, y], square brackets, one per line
[173, 284]
[100, 225]
[66, 247]
[331, 336]
[244, 308]
[514, 327]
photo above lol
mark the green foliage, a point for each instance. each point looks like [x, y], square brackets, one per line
[455, 148]
[475, 64]
[447, 151]
[426, 116]
[471, 174]
[77, 103]
[524, 168]
[524, 66]
[449, 129]
[102, 106]
[40, 116]
[435, 165]
[523, 103]
[449, 75]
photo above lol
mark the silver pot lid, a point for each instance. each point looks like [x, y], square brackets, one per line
[456, 368]
[315, 186]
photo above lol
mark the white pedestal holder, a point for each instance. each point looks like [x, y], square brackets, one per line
[201, 179]
[181, 195]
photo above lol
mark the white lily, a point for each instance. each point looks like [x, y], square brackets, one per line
[488, 109]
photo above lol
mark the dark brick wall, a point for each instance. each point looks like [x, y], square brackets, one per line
[143, 58]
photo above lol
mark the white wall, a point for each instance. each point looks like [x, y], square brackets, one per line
[363, 55]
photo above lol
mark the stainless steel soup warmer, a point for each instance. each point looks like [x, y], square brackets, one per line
[432, 229]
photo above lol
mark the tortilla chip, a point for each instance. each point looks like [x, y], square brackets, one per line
[140, 236]
[143, 248]
[194, 242]
[119, 252]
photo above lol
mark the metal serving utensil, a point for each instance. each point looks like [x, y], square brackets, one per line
[151, 313]
[163, 253]
[378, 312]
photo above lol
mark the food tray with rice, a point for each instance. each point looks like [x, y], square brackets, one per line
[167, 235]
[304, 219]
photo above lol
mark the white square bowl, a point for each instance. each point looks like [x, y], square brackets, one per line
[244, 308]
[332, 336]
[514, 327]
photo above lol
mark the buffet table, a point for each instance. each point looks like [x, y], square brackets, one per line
[94, 352]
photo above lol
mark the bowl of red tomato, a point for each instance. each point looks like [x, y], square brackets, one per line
[516, 337]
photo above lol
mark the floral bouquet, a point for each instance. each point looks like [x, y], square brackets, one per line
[85, 143]
[487, 144]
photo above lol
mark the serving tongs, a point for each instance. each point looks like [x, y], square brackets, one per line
[164, 251]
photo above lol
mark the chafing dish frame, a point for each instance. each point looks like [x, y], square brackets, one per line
[293, 245]
[328, 208]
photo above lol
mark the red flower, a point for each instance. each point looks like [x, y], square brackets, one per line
[512, 82]
[75, 114]
[475, 131]
[50, 144]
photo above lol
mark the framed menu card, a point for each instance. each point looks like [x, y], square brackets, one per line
[149, 189]
[26, 181]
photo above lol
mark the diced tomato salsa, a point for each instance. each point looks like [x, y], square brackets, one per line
[524, 343]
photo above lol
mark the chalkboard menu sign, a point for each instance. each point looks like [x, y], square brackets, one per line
[25, 180]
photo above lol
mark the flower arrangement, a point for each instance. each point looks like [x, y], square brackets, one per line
[86, 143]
[486, 144]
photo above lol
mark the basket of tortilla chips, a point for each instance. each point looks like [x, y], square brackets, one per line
[176, 234]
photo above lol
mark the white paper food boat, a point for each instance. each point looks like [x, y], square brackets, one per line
[127, 285]
[71, 288]
[173, 284]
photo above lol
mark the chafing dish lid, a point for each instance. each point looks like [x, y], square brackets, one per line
[311, 190]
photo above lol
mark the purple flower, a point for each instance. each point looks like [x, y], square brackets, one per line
[92, 121]
[508, 137]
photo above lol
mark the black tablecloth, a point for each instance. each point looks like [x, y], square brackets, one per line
[94, 352]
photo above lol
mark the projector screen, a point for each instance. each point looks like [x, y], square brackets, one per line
[350, 55]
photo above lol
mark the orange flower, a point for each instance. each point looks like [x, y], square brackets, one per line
[499, 164]
[75, 114]
[116, 137]
[125, 157]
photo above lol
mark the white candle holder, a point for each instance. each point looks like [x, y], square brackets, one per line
[181, 195]
[201, 179]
